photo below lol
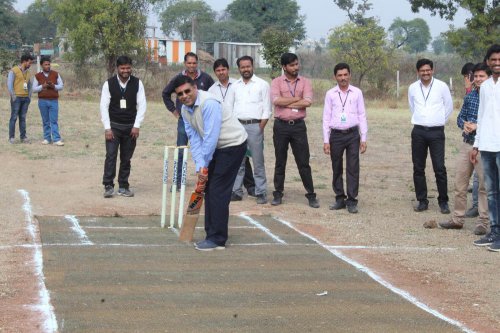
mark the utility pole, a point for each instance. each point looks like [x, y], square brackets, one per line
[194, 24]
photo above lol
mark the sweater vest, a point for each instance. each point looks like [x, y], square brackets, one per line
[49, 93]
[116, 114]
[232, 133]
[19, 79]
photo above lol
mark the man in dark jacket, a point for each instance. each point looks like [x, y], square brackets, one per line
[203, 81]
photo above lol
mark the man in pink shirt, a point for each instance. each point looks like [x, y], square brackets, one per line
[344, 129]
[291, 94]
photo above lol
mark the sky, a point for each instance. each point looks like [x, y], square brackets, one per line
[323, 15]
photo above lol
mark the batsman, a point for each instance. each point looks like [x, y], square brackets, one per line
[218, 143]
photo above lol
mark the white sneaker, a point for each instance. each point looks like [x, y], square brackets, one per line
[45, 142]
[59, 143]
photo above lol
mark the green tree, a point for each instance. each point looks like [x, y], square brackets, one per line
[263, 14]
[361, 46]
[481, 30]
[275, 42]
[102, 28]
[356, 10]
[179, 16]
[413, 35]
[35, 23]
[441, 45]
[9, 31]
[227, 31]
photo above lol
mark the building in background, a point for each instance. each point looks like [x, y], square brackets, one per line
[232, 51]
[167, 51]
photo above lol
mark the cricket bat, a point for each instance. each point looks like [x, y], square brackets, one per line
[193, 211]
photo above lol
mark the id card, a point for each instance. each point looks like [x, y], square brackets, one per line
[343, 118]
[123, 103]
[295, 110]
[25, 86]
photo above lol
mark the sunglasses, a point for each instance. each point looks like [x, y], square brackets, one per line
[184, 92]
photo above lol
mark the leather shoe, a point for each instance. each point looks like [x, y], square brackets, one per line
[443, 206]
[339, 204]
[422, 205]
[235, 197]
[276, 201]
[480, 229]
[251, 191]
[313, 202]
[472, 212]
[261, 199]
[451, 225]
[353, 209]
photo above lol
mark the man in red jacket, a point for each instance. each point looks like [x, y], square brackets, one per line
[47, 84]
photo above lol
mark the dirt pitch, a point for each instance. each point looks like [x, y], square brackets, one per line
[440, 268]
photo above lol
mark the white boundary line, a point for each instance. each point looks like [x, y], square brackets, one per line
[329, 247]
[119, 228]
[44, 306]
[261, 227]
[78, 230]
[406, 295]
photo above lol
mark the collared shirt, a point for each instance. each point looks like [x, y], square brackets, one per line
[469, 113]
[430, 106]
[38, 87]
[11, 77]
[251, 100]
[488, 117]
[219, 90]
[344, 110]
[203, 148]
[283, 87]
[106, 98]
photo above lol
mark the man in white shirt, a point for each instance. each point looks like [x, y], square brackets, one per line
[252, 106]
[225, 84]
[123, 105]
[487, 141]
[430, 105]
[222, 89]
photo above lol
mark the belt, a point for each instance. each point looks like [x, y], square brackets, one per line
[345, 131]
[289, 122]
[429, 128]
[250, 121]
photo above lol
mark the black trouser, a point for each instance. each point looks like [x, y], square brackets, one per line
[182, 140]
[222, 172]
[347, 141]
[248, 180]
[432, 139]
[122, 141]
[294, 134]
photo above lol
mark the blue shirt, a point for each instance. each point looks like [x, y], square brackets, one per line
[203, 147]
[469, 113]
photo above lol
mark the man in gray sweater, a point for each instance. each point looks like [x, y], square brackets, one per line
[218, 142]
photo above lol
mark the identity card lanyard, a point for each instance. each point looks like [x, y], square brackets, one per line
[343, 117]
[292, 92]
[25, 76]
[224, 94]
[123, 101]
[428, 93]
